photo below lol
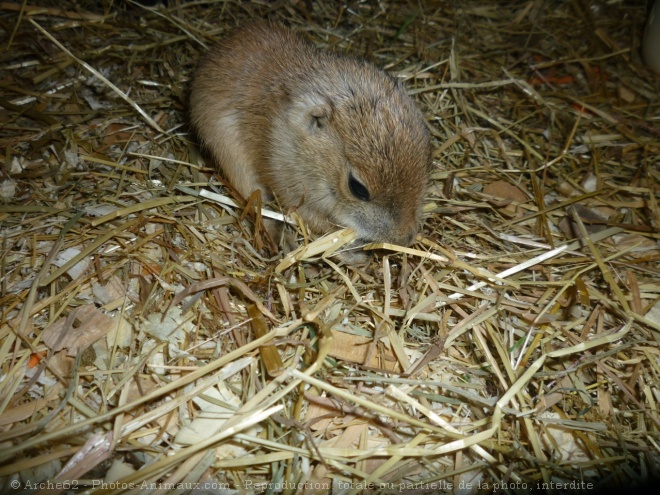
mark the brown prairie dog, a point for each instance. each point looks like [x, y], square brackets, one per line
[330, 135]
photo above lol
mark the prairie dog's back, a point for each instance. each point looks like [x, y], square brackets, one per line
[262, 66]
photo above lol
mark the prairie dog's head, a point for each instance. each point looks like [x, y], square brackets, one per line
[357, 158]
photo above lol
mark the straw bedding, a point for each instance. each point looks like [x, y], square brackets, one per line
[152, 338]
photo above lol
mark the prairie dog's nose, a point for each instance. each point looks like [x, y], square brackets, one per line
[406, 236]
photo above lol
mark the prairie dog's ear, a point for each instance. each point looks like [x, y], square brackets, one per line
[312, 111]
[319, 116]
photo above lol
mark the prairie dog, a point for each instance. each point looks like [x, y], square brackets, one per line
[328, 134]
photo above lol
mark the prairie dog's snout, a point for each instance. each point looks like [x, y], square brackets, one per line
[331, 135]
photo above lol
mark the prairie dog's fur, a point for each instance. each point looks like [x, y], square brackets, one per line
[330, 134]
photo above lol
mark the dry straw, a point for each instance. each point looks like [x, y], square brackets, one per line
[153, 336]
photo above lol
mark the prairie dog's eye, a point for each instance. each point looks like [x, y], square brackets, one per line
[358, 189]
